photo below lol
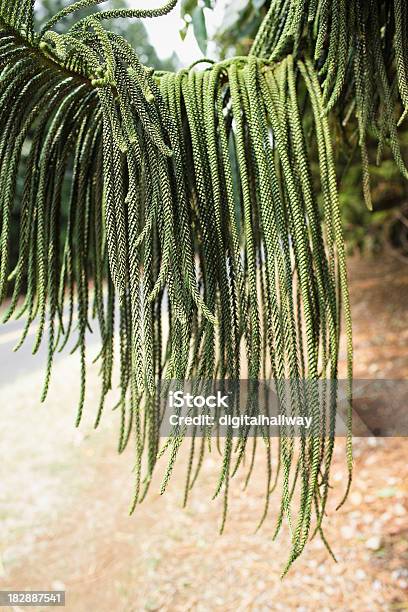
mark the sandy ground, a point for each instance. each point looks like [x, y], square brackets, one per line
[65, 494]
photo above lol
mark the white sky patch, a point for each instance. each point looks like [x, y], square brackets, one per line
[164, 32]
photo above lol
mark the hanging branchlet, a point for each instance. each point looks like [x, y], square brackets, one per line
[192, 209]
[360, 51]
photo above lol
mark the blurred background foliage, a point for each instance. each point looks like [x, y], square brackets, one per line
[240, 23]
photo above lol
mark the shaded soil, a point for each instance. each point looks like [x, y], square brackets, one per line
[65, 494]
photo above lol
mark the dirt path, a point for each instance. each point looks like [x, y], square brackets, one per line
[64, 497]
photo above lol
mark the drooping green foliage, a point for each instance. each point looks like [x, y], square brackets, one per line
[194, 211]
[360, 52]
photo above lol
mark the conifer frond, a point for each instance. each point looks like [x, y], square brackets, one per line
[196, 213]
[360, 50]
